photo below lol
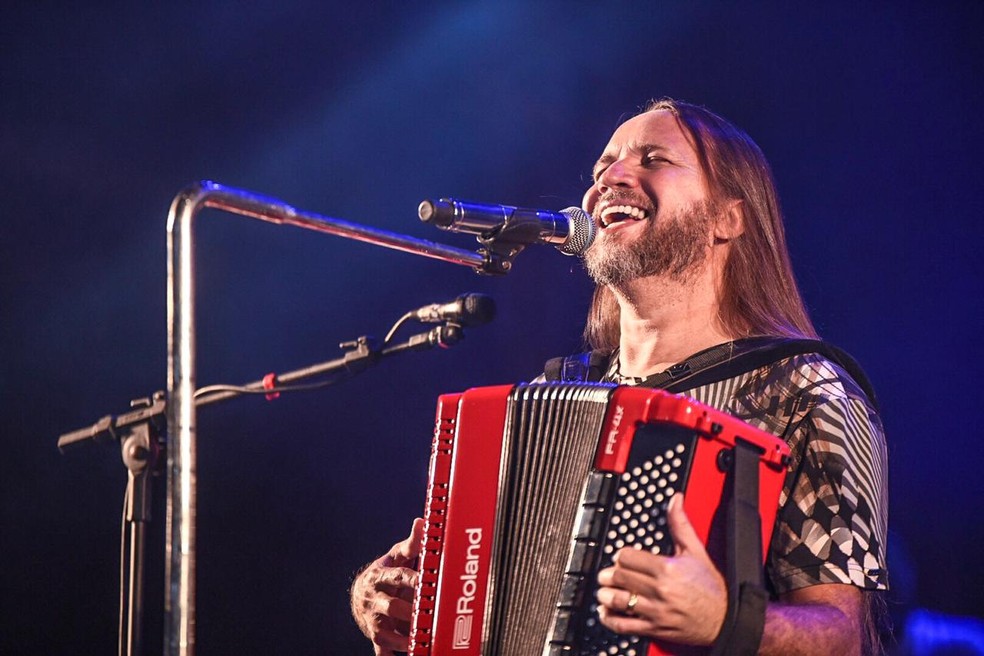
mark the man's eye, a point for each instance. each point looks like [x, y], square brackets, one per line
[652, 159]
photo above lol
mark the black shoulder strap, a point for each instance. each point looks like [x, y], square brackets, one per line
[587, 367]
[756, 352]
[746, 355]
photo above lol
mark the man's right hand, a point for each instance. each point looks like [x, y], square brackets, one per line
[382, 594]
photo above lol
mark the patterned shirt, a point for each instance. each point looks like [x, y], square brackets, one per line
[832, 522]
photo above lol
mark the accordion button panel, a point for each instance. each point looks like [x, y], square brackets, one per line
[589, 529]
[572, 590]
[584, 556]
[598, 489]
[590, 522]
[563, 621]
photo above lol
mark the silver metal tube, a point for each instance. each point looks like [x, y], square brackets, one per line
[179, 603]
[246, 203]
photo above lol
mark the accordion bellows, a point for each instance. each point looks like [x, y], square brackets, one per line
[533, 488]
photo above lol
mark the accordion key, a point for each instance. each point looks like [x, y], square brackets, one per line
[533, 488]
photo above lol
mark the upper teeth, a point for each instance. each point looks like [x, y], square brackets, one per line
[627, 210]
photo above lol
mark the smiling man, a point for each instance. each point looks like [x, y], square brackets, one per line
[695, 289]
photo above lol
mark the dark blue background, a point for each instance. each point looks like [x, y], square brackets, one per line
[869, 112]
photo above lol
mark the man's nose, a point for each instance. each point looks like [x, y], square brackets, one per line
[617, 174]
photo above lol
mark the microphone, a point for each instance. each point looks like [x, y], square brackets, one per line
[466, 310]
[570, 230]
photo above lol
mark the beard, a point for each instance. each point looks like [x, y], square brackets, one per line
[674, 246]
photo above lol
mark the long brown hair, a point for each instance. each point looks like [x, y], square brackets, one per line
[759, 294]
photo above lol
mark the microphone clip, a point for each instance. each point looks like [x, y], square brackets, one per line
[445, 335]
[498, 253]
[501, 245]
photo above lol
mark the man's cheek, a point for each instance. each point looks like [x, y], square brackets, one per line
[589, 199]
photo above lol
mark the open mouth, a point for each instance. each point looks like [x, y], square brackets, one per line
[617, 213]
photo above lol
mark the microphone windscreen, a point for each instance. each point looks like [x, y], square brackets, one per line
[582, 231]
[476, 309]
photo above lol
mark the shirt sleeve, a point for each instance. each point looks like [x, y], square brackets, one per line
[833, 517]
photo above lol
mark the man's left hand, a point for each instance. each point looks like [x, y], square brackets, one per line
[680, 598]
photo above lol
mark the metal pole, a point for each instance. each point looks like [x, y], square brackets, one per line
[179, 603]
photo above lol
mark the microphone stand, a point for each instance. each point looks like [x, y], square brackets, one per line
[140, 435]
[179, 601]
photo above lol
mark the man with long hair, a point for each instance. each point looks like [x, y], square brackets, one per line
[695, 289]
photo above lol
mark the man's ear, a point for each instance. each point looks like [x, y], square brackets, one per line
[730, 222]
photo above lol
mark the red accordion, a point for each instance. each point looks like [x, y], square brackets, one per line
[533, 488]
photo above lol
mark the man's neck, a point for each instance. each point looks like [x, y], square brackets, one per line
[663, 321]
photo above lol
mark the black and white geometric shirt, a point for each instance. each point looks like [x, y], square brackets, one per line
[833, 515]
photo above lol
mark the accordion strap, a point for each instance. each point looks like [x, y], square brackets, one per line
[714, 364]
[744, 622]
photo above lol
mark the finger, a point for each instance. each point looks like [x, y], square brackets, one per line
[412, 545]
[617, 599]
[390, 641]
[643, 582]
[405, 551]
[681, 530]
[638, 560]
[626, 624]
[394, 580]
[405, 594]
[393, 608]
[385, 630]
[606, 596]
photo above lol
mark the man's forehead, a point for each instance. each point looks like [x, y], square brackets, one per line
[658, 128]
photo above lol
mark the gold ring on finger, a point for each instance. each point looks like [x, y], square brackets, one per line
[633, 600]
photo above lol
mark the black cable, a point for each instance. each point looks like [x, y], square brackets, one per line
[396, 326]
[210, 389]
[277, 389]
[304, 387]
